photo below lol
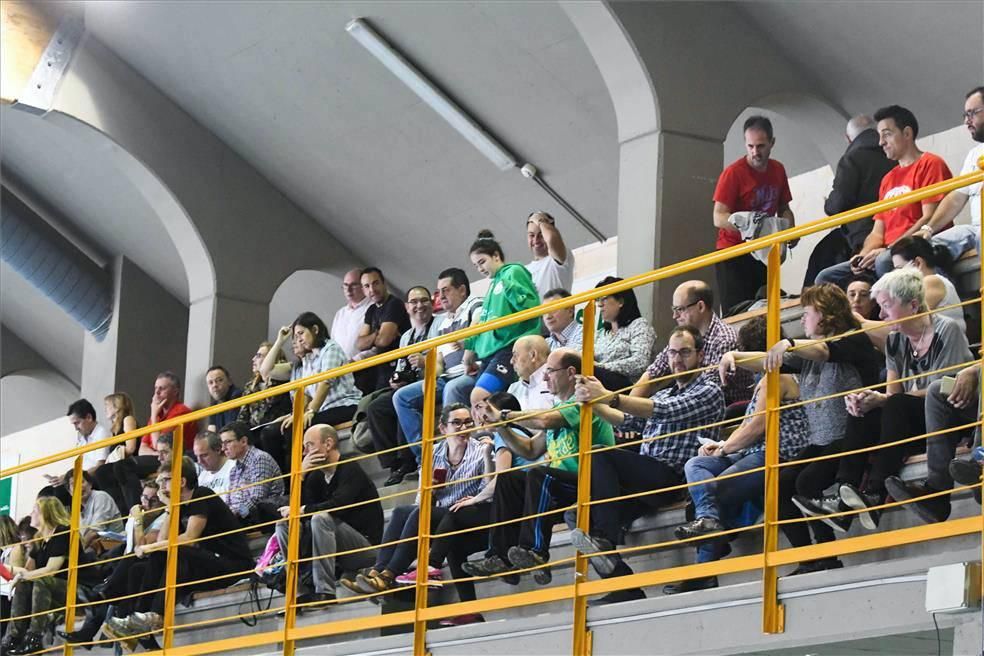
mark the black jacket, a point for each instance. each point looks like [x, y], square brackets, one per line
[348, 485]
[859, 175]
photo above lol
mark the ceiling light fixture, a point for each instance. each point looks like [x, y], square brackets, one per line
[407, 73]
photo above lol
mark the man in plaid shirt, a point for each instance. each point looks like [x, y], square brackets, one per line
[251, 466]
[693, 303]
[676, 417]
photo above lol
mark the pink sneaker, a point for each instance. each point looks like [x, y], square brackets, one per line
[410, 578]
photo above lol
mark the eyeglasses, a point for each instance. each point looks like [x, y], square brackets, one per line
[228, 442]
[971, 113]
[549, 370]
[683, 353]
[601, 300]
[144, 497]
[461, 423]
[677, 309]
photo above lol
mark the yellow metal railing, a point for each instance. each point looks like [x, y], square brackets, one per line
[768, 560]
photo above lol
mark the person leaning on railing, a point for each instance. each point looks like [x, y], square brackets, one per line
[202, 515]
[550, 486]
[40, 585]
[685, 412]
[823, 368]
[918, 348]
[459, 462]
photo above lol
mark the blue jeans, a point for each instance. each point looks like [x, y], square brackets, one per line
[409, 404]
[959, 239]
[722, 500]
[839, 274]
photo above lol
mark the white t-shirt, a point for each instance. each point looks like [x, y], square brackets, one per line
[92, 458]
[346, 326]
[533, 395]
[547, 274]
[973, 191]
[217, 481]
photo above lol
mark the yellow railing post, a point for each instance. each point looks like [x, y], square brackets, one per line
[75, 537]
[174, 528]
[773, 615]
[426, 492]
[294, 521]
[581, 635]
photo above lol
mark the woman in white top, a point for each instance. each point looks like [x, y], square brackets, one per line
[931, 260]
[624, 344]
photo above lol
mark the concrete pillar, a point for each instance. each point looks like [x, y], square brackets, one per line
[148, 335]
[967, 638]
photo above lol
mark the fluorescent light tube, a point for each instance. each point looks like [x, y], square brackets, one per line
[430, 94]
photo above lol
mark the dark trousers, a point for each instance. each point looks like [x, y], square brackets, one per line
[194, 563]
[107, 482]
[521, 494]
[860, 432]
[404, 524]
[129, 474]
[277, 442]
[902, 416]
[738, 279]
[617, 472]
[809, 480]
[384, 426]
[457, 548]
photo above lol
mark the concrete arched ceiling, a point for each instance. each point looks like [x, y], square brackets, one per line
[290, 91]
[72, 167]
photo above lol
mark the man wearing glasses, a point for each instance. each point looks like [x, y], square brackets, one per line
[678, 417]
[547, 487]
[693, 305]
[962, 237]
[348, 320]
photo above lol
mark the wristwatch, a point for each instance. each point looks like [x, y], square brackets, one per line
[504, 415]
[615, 401]
[928, 229]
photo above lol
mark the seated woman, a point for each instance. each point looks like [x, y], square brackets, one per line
[458, 457]
[40, 585]
[331, 402]
[121, 417]
[823, 368]
[859, 296]
[511, 289]
[624, 345]
[269, 409]
[932, 261]
[917, 348]
[470, 512]
[718, 505]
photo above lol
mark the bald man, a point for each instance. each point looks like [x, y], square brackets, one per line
[693, 305]
[350, 317]
[331, 482]
[529, 359]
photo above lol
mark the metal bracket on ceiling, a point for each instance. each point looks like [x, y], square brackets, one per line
[39, 94]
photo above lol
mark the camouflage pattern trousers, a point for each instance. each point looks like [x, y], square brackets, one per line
[36, 596]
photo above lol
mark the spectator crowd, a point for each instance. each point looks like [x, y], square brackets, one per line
[686, 416]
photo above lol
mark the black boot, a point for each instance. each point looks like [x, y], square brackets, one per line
[31, 643]
[10, 641]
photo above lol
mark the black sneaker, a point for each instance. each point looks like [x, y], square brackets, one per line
[617, 597]
[486, 566]
[967, 472]
[818, 565]
[822, 507]
[858, 500]
[524, 558]
[698, 527]
[691, 585]
[588, 544]
[395, 477]
[930, 511]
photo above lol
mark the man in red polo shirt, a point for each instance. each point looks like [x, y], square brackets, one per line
[897, 132]
[753, 183]
[166, 404]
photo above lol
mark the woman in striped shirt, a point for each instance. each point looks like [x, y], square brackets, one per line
[458, 462]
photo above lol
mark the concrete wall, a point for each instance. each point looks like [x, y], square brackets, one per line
[26, 444]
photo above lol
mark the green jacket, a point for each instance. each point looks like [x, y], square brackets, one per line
[512, 290]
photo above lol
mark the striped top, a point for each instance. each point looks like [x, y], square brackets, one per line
[472, 464]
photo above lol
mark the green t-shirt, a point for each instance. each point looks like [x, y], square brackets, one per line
[510, 291]
[564, 441]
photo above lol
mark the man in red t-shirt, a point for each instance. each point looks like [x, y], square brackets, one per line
[753, 183]
[897, 131]
[166, 404]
